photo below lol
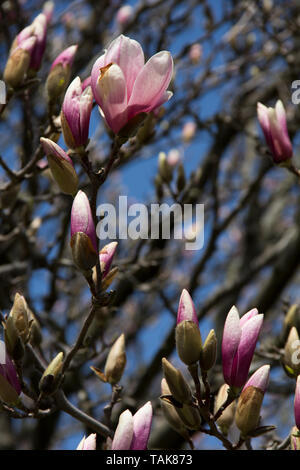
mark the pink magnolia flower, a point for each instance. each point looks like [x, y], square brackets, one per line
[297, 403]
[87, 443]
[124, 14]
[238, 345]
[273, 124]
[10, 387]
[76, 113]
[82, 219]
[133, 432]
[186, 308]
[124, 86]
[65, 58]
[106, 257]
[37, 29]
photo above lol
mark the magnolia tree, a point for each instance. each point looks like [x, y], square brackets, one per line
[149, 193]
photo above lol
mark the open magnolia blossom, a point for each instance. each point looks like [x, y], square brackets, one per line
[124, 86]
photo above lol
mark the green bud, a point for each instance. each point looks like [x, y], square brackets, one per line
[13, 341]
[170, 412]
[84, 254]
[52, 375]
[57, 81]
[16, 67]
[190, 416]
[19, 315]
[291, 359]
[116, 361]
[188, 341]
[248, 409]
[209, 352]
[176, 383]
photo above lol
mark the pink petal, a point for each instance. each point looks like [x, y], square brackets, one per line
[260, 379]
[297, 403]
[247, 316]
[230, 343]
[124, 432]
[151, 83]
[129, 55]
[112, 96]
[186, 308]
[249, 336]
[142, 421]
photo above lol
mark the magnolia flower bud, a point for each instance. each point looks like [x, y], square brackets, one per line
[170, 412]
[60, 72]
[292, 318]
[18, 63]
[227, 417]
[297, 403]
[239, 340]
[188, 338]
[116, 361]
[13, 341]
[124, 15]
[87, 443]
[76, 113]
[188, 131]
[273, 124]
[250, 401]
[133, 432]
[195, 53]
[176, 383]
[52, 375]
[19, 314]
[61, 166]
[83, 234]
[209, 352]
[291, 359]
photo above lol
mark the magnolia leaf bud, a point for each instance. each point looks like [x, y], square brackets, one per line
[170, 412]
[209, 352]
[190, 416]
[116, 361]
[52, 375]
[176, 383]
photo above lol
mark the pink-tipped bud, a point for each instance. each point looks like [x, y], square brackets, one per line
[238, 345]
[188, 338]
[10, 387]
[124, 15]
[59, 74]
[249, 404]
[297, 403]
[186, 308]
[18, 63]
[87, 443]
[75, 114]
[61, 166]
[106, 256]
[83, 234]
[37, 29]
[273, 124]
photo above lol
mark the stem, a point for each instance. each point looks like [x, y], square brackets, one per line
[64, 404]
